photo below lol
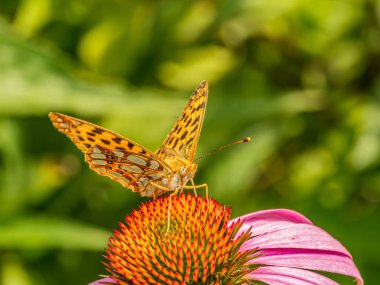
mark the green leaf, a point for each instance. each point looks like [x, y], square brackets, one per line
[34, 232]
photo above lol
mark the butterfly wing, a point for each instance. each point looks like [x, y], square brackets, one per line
[112, 155]
[183, 137]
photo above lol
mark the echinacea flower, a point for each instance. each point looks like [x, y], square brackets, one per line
[276, 247]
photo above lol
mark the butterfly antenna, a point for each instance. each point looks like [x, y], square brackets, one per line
[247, 139]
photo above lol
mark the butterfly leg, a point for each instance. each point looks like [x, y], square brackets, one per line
[170, 201]
[195, 190]
[197, 186]
[169, 207]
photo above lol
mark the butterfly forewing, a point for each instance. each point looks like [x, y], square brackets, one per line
[183, 138]
[112, 155]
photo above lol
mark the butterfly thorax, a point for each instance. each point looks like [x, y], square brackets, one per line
[182, 171]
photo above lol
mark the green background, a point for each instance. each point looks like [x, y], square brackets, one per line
[300, 77]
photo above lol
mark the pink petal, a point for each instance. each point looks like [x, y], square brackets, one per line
[286, 238]
[103, 281]
[274, 215]
[323, 261]
[289, 276]
[290, 235]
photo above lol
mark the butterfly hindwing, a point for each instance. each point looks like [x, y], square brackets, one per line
[112, 155]
[183, 138]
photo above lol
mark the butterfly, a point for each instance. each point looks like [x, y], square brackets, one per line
[150, 174]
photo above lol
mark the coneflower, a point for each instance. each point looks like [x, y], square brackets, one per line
[204, 247]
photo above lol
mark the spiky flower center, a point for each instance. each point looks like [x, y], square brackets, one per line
[200, 247]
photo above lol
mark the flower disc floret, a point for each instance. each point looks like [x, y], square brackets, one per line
[201, 247]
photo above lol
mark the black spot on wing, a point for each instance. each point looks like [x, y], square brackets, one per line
[176, 129]
[184, 135]
[196, 121]
[170, 140]
[117, 140]
[193, 130]
[175, 143]
[186, 118]
[105, 141]
[98, 131]
[202, 105]
[188, 123]
[189, 141]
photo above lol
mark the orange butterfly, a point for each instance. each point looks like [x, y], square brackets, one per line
[150, 174]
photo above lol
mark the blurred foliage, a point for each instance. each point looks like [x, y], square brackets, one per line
[300, 77]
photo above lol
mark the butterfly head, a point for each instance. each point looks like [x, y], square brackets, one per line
[187, 171]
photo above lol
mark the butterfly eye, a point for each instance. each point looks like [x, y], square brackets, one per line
[182, 170]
